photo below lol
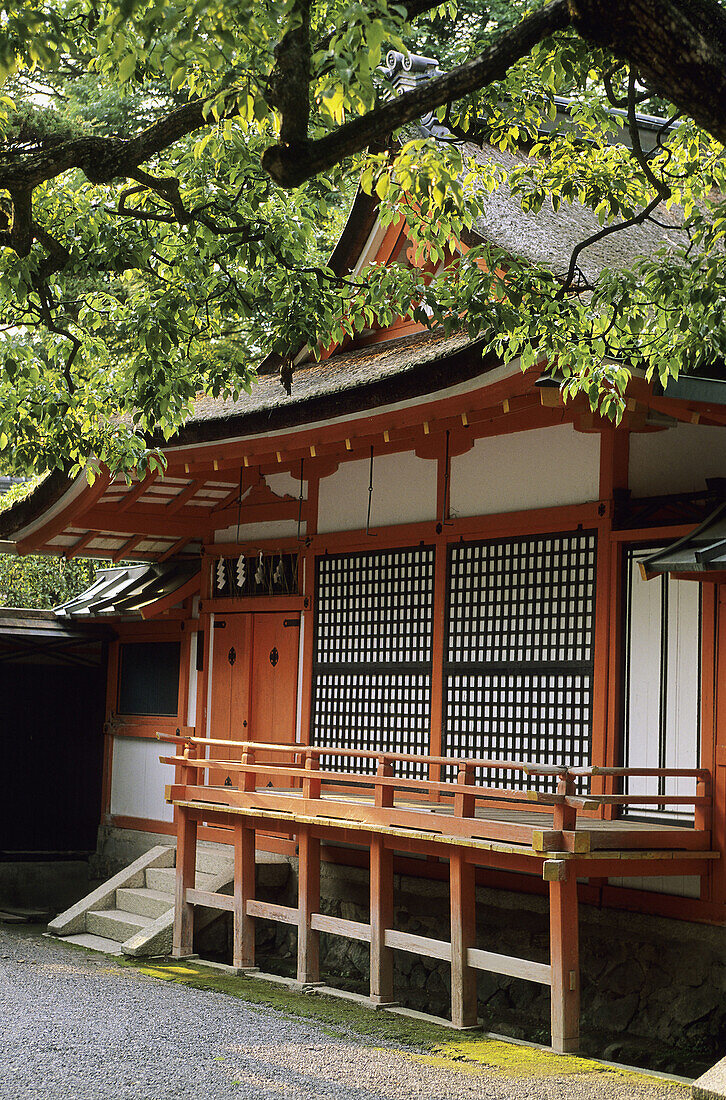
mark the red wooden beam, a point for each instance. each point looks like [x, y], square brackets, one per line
[138, 491]
[191, 588]
[66, 516]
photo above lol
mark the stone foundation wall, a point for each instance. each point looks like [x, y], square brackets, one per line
[653, 990]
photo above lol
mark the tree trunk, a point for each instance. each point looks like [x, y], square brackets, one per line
[677, 46]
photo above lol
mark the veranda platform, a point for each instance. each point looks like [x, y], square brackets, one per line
[547, 828]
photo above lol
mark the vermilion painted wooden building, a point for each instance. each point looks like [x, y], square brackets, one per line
[424, 557]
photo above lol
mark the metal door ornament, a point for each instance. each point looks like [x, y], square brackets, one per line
[274, 656]
[232, 655]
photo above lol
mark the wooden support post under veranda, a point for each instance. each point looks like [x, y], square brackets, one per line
[565, 963]
[243, 934]
[381, 910]
[186, 862]
[308, 939]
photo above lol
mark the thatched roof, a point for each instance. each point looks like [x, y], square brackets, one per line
[549, 236]
[346, 383]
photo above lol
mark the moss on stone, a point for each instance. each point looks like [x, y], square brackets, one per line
[431, 1043]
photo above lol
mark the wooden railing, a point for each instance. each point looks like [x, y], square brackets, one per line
[460, 820]
[380, 797]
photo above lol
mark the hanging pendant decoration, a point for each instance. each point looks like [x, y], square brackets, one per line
[277, 575]
[445, 522]
[241, 571]
[221, 574]
[260, 571]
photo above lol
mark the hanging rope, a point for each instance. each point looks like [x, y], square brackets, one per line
[370, 499]
[445, 507]
[300, 502]
[239, 502]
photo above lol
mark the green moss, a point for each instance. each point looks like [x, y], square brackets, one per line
[430, 1043]
[20, 492]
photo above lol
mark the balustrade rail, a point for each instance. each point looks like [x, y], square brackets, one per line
[299, 786]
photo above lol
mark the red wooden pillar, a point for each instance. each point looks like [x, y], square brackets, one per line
[186, 861]
[243, 950]
[565, 963]
[463, 936]
[308, 940]
[381, 909]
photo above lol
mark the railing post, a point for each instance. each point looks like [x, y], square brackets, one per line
[189, 775]
[381, 910]
[186, 862]
[463, 936]
[464, 803]
[384, 792]
[311, 786]
[308, 940]
[249, 779]
[565, 963]
[702, 816]
[564, 817]
[243, 948]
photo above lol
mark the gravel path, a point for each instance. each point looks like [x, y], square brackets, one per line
[76, 1027]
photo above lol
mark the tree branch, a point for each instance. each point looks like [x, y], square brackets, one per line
[637, 219]
[103, 159]
[289, 89]
[290, 165]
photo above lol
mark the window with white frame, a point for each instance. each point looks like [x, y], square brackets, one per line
[662, 683]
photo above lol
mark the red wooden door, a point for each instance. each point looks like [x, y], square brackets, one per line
[273, 702]
[254, 687]
[229, 702]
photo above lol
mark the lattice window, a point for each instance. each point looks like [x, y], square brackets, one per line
[519, 650]
[373, 638]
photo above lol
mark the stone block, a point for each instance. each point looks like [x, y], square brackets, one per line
[712, 1084]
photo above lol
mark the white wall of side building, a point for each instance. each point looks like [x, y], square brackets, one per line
[138, 779]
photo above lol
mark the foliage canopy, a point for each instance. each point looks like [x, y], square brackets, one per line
[173, 173]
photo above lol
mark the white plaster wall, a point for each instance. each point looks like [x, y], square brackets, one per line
[404, 491]
[541, 468]
[249, 532]
[285, 484]
[677, 460]
[138, 779]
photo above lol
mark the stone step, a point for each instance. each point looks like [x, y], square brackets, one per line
[164, 878]
[114, 924]
[144, 902]
[94, 943]
[215, 859]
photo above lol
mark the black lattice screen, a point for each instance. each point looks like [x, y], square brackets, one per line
[372, 671]
[519, 650]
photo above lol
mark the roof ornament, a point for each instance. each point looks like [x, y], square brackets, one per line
[405, 72]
